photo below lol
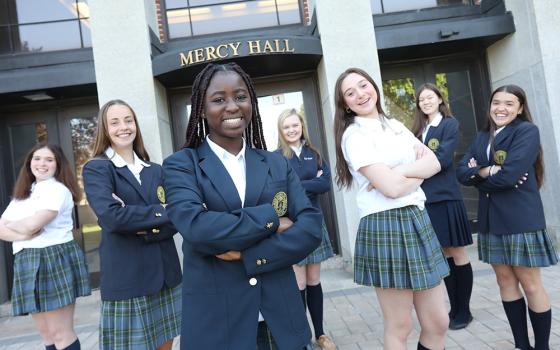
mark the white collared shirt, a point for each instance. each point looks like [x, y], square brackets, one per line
[369, 141]
[235, 166]
[297, 149]
[488, 147]
[48, 194]
[119, 162]
[435, 123]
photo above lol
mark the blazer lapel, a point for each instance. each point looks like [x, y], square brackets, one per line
[219, 176]
[127, 175]
[148, 187]
[256, 170]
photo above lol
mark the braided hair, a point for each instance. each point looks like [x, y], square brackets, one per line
[197, 128]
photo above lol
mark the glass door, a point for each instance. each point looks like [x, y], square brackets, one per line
[274, 98]
[464, 87]
[73, 130]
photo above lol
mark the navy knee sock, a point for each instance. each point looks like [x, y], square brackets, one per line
[421, 347]
[315, 305]
[463, 291]
[541, 322]
[50, 347]
[450, 285]
[74, 346]
[516, 312]
[303, 298]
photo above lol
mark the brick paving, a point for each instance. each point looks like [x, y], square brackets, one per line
[352, 316]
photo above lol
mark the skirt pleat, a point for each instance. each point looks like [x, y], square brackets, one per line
[398, 248]
[323, 252]
[531, 249]
[451, 223]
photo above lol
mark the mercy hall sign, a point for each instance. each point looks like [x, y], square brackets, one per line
[234, 49]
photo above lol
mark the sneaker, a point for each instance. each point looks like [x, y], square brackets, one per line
[326, 343]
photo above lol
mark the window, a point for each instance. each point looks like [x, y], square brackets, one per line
[198, 17]
[48, 25]
[386, 6]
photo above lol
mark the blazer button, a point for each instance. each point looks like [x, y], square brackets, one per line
[155, 230]
[473, 176]
[253, 281]
[259, 262]
[264, 261]
[269, 225]
[487, 195]
[158, 214]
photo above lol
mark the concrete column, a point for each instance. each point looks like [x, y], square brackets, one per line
[530, 58]
[348, 40]
[123, 67]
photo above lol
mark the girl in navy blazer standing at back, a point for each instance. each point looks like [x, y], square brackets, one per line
[245, 219]
[140, 270]
[505, 163]
[437, 129]
[315, 176]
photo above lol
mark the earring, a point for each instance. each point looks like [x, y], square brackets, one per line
[348, 110]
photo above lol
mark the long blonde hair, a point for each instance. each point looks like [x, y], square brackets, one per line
[283, 145]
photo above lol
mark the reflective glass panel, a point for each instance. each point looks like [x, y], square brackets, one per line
[173, 4]
[30, 11]
[399, 99]
[23, 138]
[5, 46]
[271, 107]
[230, 17]
[403, 5]
[376, 7]
[288, 11]
[4, 18]
[178, 23]
[49, 36]
[193, 3]
[83, 9]
[86, 32]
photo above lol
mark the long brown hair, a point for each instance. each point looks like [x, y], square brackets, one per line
[283, 145]
[103, 140]
[525, 115]
[63, 173]
[197, 128]
[343, 117]
[421, 119]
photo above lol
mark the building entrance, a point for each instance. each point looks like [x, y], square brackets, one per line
[73, 129]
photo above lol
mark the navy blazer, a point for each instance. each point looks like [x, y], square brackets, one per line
[443, 186]
[132, 265]
[306, 168]
[504, 206]
[222, 299]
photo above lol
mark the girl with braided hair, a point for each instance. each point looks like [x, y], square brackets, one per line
[245, 220]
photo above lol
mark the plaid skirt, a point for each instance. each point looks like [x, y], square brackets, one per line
[49, 278]
[451, 223]
[323, 252]
[531, 249]
[398, 248]
[141, 323]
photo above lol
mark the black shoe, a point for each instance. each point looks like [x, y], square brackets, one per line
[456, 323]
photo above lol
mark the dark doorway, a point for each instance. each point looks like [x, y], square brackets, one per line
[464, 83]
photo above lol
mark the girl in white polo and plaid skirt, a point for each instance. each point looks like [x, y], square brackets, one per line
[315, 177]
[50, 270]
[505, 163]
[397, 250]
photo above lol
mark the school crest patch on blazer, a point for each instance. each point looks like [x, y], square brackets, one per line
[280, 203]
[161, 194]
[433, 144]
[500, 157]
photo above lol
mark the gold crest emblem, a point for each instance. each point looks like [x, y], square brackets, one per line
[161, 194]
[500, 157]
[433, 144]
[280, 203]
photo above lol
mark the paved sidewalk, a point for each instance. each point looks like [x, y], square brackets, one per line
[352, 316]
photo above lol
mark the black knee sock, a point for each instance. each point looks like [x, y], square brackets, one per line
[421, 347]
[315, 304]
[74, 346]
[50, 347]
[303, 298]
[450, 285]
[541, 322]
[463, 291]
[516, 312]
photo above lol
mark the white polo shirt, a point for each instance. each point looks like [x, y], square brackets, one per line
[119, 162]
[369, 141]
[50, 195]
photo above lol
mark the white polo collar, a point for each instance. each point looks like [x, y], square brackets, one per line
[119, 161]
